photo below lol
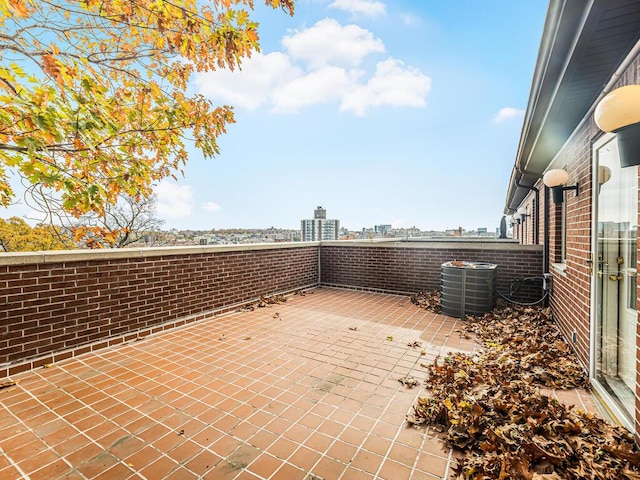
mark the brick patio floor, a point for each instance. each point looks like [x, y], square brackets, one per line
[307, 389]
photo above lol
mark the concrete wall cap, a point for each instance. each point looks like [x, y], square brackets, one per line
[502, 245]
[67, 256]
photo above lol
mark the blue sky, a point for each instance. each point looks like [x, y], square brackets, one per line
[405, 112]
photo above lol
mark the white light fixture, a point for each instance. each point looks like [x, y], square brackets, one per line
[556, 180]
[619, 112]
[522, 212]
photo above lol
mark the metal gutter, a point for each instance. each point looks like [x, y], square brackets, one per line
[562, 32]
[529, 164]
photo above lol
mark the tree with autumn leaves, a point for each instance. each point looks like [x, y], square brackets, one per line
[93, 94]
[16, 235]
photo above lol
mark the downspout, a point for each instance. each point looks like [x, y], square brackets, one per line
[536, 210]
[545, 260]
[546, 221]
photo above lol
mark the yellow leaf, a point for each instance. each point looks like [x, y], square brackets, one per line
[448, 404]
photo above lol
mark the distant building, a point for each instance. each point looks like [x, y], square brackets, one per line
[320, 214]
[455, 232]
[319, 227]
[382, 229]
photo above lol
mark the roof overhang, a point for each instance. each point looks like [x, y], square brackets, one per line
[583, 43]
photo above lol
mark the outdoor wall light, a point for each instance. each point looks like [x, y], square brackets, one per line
[522, 211]
[556, 180]
[517, 218]
[619, 112]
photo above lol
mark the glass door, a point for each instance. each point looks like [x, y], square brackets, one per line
[615, 284]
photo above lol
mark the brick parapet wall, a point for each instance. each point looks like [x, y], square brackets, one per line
[410, 267]
[59, 304]
[56, 305]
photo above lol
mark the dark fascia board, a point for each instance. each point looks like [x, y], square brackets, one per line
[561, 33]
[566, 32]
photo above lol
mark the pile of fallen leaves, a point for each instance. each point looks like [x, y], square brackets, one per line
[428, 300]
[488, 404]
[524, 343]
[264, 301]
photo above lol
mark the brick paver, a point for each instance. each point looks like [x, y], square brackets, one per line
[307, 389]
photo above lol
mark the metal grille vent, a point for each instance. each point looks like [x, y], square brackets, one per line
[468, 288]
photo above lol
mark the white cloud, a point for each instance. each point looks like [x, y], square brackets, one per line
[321, 86]
[322, 64]
[250, 87]
[174, 201]
[211, 206]
[507, 113]
[367, 8]
[393, 84]
[330, 43]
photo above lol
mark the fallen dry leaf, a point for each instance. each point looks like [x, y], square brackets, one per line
[264, 301]
[7, 384]
[488, 405]
[428, 300]
[409, 381]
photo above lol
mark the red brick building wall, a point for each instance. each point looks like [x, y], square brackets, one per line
[571, 295]
[572, 279]
[570, 299]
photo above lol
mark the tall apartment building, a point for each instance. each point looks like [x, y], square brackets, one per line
[319, 227]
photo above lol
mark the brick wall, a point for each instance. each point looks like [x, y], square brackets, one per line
[571, 295]
[570, 300]
[410, 267]
[59, 304]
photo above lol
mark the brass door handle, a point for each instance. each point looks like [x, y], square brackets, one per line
[615, 278]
